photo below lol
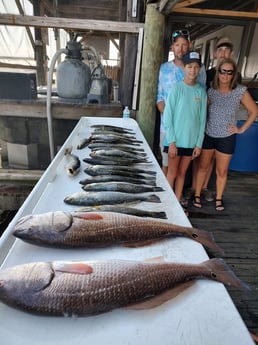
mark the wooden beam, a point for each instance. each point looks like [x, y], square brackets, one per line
[165, 3]
[109, 36]
[220, 13]
[187, 3]
[69, 24]
[20, 9]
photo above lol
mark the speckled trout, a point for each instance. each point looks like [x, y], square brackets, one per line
[89, 288]
[108, 198]
[99, 229]
[123, 187]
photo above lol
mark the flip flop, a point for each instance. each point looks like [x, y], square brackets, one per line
[219, 206]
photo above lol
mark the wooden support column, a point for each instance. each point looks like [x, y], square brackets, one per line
[151, 60]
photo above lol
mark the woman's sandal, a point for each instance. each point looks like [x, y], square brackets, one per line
[197, 201]
[219, 206]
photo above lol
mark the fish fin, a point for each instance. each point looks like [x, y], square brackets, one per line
[156, 259]
[153, 198]
[74, 267]
[138, 244]
[162, 298]
[88, 216]
[221, 272]
[87, 209]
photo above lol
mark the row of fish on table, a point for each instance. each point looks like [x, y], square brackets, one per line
[106, 217]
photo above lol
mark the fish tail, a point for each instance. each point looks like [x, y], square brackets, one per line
[161, 215]
[206, 239]
[221, 272]
[153, 198]
[158, 189]
[68, 150]
[150, 172]
[84, 143]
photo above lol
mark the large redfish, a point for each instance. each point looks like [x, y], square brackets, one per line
[88, 288]
[99, 229]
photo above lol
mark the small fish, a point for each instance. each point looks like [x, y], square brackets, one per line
[115, 142]
[97, 169]
[126, 147]
[113, 161]
[99, 229]
[73, 164]
[118, 178]
[107, 198]
[124, 209]
[109, 172]
[72, 288]
[111, 138]
[113, 134]
[112, 128]
[117, 153]
[124, 187]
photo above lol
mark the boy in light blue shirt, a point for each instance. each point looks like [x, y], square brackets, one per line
[184, 122]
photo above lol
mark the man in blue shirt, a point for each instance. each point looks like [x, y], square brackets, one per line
[170, 73]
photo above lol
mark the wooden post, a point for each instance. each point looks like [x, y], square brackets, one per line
[129, 54]
[151, 60]
[40, 49]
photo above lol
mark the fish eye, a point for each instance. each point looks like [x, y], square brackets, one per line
[213, 275]
[194, 235]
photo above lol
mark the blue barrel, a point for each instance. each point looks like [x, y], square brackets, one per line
[245, 158]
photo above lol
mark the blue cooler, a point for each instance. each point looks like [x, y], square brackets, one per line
[245, 158]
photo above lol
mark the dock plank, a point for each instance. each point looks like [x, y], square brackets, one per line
[235, 230]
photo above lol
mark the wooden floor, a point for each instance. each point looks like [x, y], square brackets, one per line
[236, 230]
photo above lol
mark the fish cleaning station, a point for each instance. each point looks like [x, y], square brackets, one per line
[98, 249]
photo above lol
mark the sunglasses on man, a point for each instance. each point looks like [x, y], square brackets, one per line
[180, 33]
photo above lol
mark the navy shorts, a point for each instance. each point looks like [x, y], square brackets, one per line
[223, 145]
[181, 151]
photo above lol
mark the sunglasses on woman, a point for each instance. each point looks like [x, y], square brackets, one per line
[177, 33]
[226, 71]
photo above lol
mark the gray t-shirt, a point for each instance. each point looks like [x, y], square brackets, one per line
[222, 111]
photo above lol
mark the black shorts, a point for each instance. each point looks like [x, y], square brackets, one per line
[181, 151]
[223, 145]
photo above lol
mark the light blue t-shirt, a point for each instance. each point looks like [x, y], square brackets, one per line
[185, 115]
[170, 74]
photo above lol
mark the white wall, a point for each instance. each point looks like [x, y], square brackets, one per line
[251, 66]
